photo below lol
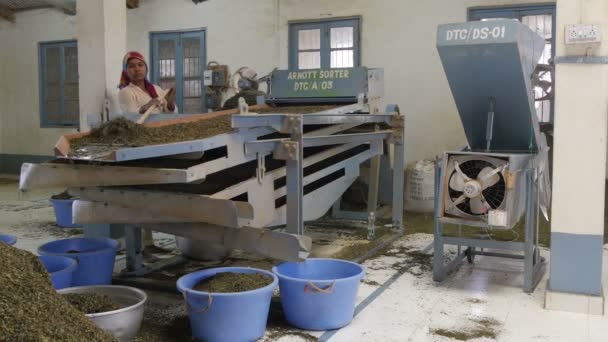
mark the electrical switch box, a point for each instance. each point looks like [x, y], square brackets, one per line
[583, 34]
[214, 78]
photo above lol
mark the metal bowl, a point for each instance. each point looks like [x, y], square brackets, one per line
[201, 250]
[122, 323]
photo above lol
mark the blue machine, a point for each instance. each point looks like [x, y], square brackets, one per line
[499, 176]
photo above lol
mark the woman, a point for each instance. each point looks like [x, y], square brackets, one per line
[137, 94]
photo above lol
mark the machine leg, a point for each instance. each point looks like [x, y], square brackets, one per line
[335, 209]
[134, 248]
[295, 189]
[374, 178]
[529, 253]
[439, 273]
[398, 168]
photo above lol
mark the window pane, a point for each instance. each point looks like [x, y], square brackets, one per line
[540, 24]
[71, 63]
[342, 59]
[166, 84]
[191, 53]
[52, 72]
[192, 105]
[166, 54]
[309, 39]
[53, 112]
[70, 91]
[167, 68]
[309, 60]
[543, 26]
[71, 111]
[53, 91]
[192, 88]
[341, 37]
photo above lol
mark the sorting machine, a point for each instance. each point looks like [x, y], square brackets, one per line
[269, 170]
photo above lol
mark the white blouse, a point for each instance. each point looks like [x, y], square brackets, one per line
[132, 98]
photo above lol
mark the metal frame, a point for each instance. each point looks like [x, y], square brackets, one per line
[533, 262]
[292, 150]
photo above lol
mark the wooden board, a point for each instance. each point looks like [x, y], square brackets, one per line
[55, 175]
[185, 206]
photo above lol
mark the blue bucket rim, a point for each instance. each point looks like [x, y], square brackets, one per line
[181, 288]
[70, 268]
[337, 280]
[63, 200]
[12, 239]
[104, 250]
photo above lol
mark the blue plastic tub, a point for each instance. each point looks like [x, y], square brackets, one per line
[60, 269]
[63, 213]
[95, 257]
[230, 317]
[319, 294]
[8, 239]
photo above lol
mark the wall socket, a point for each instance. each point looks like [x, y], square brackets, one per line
[583, 34]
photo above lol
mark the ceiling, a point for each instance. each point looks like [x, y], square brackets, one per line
[23, 5]
[8, 8]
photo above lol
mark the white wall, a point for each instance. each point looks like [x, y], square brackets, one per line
[20, 114]
[102, 41]
[397, 35]
[400, 37]
[581, 109]
[239, 32]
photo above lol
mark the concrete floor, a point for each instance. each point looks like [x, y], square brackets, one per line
[397, 301]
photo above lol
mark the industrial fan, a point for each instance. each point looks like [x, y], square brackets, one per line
[475, 185]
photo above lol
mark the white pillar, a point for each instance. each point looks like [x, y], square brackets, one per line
[581, 107]
[102, 41]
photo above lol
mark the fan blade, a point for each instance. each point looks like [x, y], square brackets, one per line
[457, 167]
[457, 182]
[477, 205]
[488, 176]
[460, 199]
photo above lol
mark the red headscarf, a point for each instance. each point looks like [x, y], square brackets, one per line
[124, 76]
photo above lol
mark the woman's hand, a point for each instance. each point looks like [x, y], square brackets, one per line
[153, 102]
[170, 98]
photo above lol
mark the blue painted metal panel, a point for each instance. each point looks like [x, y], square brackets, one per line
[519, 12]
[319, 83]
[493, 59]
[576, 263]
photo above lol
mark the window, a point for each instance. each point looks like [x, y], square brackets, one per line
[324, 44]
[178, 60]
[541, 19]
[59, 84]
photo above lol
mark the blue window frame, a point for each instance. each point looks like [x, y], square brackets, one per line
[179, 60]
[541, 19]
[58, 84]
[324, 44]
